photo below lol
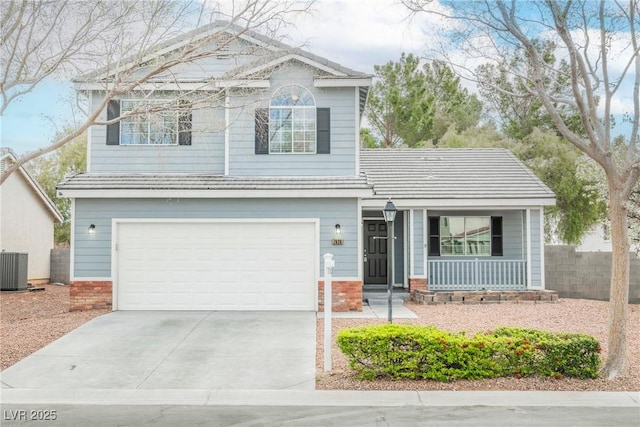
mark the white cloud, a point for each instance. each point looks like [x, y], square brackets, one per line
[360, 34]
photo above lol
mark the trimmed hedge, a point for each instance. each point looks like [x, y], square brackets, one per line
[424, 352]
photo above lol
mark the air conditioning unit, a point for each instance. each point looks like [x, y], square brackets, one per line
[13, 271]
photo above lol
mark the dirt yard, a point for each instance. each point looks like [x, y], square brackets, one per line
[585, 316]
[31, 320]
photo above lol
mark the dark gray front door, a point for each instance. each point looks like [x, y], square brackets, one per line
[375, 253]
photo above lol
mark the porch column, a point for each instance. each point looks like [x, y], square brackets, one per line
[528, 227]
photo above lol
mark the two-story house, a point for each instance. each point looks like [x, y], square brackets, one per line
[175, 213]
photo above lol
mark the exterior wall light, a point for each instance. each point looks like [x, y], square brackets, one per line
[337, 237]
[92, 229]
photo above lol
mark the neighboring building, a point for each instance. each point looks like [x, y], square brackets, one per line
[27, 217]
[184, 216]
[598, 239]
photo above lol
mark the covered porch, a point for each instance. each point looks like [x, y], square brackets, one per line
[476, 274]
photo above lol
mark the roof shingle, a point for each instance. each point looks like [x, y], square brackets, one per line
[450, 174]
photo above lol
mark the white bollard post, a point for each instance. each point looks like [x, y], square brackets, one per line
[329, 263]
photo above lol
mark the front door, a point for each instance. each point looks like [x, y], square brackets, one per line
[375, 252]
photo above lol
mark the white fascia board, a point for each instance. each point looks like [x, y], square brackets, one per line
[214, 194]
[460, 203]
[179, 86]
[324, 82]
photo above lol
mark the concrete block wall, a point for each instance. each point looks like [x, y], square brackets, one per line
[60, 264]
[585, 274]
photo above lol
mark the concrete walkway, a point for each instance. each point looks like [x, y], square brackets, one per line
[376, 306]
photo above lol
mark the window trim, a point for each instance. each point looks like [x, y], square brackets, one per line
[149, 101]
[292, 108]
[488, 254]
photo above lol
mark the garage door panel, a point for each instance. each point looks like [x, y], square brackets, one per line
[217, 266]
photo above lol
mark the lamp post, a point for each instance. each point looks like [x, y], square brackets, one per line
[389, 213]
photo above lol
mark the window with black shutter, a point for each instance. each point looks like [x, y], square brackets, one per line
[292, 124]
[496, 236]
[113, 130]
[434, 236]
[262, 131]
[323, 123]
[149, 122]
[184, 123]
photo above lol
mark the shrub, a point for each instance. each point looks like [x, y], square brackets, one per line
[424, 352]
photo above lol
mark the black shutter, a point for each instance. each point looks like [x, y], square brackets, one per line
[113, 131]
[184, 123]
[434, 236]
[496, 236]
[262, 131]
[323, 130]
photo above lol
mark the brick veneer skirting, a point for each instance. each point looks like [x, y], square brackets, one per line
[346, 295]
[87, 295]
[417, 284]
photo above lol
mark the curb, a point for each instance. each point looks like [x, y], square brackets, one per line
[204, 397]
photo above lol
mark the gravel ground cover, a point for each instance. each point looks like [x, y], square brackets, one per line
[568, 315]
[31, 320]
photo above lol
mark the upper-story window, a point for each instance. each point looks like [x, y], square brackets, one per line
[292, 121]
[293, 124]
[153, 122]
[153, 126]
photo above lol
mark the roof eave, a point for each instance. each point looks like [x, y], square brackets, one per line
[461, 203]
[215, 193]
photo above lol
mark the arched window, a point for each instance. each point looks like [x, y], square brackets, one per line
[292, 121]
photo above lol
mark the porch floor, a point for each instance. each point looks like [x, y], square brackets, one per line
[484, 297]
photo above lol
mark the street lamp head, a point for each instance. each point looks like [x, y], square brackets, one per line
[389, 211]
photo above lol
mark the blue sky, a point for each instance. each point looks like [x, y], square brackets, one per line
[32, 121]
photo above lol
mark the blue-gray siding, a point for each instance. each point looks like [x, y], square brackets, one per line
[204, 155]
[536, 250]
[342, 102]
[240, 53]
[92, 253]
[207, 152]
[418, 242]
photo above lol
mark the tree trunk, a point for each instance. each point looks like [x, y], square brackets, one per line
[616, 363]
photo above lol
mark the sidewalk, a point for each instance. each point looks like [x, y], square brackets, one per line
[202, 397]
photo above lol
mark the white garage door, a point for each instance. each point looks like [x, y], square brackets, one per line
[216, 266]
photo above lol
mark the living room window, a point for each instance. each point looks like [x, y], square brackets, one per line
[460, 235]
[156, 125]
[292, 121]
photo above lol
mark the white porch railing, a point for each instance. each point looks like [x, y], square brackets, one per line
[477, 274]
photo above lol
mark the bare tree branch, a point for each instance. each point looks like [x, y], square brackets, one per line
[586, 32]
[126, 43]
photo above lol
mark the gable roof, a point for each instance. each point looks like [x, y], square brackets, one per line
[281, 52]
[451, 177]
[7, 155]
[333, 74]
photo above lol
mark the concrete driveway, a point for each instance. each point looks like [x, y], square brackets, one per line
[177, 350]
